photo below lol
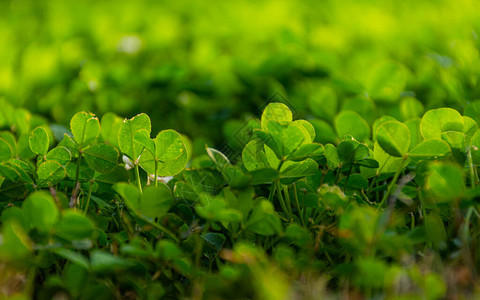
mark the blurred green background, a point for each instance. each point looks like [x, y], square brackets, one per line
[193, 65]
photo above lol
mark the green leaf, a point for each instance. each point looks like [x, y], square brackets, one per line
[331, 154]
[171, 155]
[415, 134]
[39, 141]
[72, 256]
[16, 214]
[346, 151]
[263, 176]
[156, 200]
[85, 128]
[275, 112]
[220, 160]
[74, 226]
[126, 135]
[439, 120]
[351, 123]
[378, 122]
[394, 138]
[59, 154]
[41, 211]
[446, 181]
[103, 262]
[10, 139]
[15, 243]
[475, 148]
[456, 140]
[23, 169]
[50, 173]
[263, 219]
[215, 208]
[169, 147]
[142, 137]
[6, 151]
[308, 127]
[430, 149]
[324, 133]
[117, 174]
[469, 129]
[295, 170]
[286, 138]
[130, 194]
[312, 150]
[9, 172]
[253, 156]
[101, 157]
[387, 163]
[70, 144]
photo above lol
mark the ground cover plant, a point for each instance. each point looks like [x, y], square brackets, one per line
[242, 150]
[390, 213]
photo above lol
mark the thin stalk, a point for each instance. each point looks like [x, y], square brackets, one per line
[85, 209]
[158, 226]
[348, 176]
[156, 173]
[77, 171]
[73, 198]
[287, 199]
[471, 168]
[369, 189]
[137, 175]
[280, 198]
[297, 203]
[392, 183]
[54, 195]
[30, 284]
[199, 244]
[273, 188]
[337, 178]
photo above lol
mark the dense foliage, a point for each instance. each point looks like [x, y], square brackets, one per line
[271, 150]
[368, 212]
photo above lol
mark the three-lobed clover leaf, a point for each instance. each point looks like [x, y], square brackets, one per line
[169, 154]
[439, 120]
[126, 135]
[85, 128]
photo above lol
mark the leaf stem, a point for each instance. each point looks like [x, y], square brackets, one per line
[156, 173]
[369, 189]
[73, 198]
[281, 200]
[287, 199]
[158, 226]
[392, 183]
[137, 175]
[85, 209]
[471, 168]
[297, 203]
